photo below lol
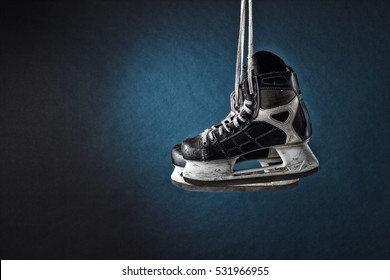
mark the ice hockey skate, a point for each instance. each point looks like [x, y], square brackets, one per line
[264, 157]
[269, 125]
[273, 118]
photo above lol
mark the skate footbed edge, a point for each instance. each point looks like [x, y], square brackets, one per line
[241, 181]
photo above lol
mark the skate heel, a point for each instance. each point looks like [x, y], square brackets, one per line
[297, 159]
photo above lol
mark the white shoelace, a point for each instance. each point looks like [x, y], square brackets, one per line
[236, 116]
[224, 124]
[240, 52]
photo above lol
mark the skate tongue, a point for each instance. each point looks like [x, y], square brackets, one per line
[267, 62]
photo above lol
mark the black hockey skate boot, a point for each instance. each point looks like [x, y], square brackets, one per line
[273, 119]
[264, 157]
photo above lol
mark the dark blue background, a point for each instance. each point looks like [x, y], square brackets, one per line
[94, 95]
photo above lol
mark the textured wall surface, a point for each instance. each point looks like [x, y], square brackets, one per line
[94, 95]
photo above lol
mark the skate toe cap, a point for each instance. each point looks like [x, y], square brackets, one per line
[177, 156]
[192, 149]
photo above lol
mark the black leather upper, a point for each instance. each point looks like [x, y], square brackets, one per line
[259, 135]
[267, 62]
[194, 149]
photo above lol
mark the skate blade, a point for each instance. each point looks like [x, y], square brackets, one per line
[178, 180]
[297, 161]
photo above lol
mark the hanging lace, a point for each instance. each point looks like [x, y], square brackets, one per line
[240, 54]
[246, 108]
